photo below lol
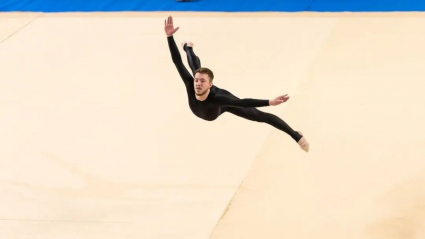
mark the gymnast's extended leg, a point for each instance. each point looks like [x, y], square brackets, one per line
[192, 58]
[264, 117]
[254, 114]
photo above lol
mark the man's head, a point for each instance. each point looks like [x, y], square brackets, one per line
[203, 81]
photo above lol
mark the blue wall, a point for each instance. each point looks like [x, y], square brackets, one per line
[212, 5]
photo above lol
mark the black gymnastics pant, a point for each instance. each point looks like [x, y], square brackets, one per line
[252, 114]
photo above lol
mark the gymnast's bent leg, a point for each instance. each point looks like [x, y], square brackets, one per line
[192, 58]
[254, 114]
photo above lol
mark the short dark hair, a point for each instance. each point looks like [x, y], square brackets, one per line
[207, 71]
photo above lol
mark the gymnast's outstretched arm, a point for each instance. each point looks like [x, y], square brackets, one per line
[175, 54]
[177, 60]
[224, 100]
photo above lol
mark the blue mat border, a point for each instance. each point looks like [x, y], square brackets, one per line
[212, 5]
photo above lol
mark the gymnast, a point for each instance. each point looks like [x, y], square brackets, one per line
[208, 101]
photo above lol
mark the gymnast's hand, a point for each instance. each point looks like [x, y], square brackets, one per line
[169, 28]
[279, 100]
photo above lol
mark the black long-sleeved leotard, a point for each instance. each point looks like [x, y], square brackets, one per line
[218, 99]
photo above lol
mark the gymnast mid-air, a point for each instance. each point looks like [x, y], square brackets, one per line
[208, 102]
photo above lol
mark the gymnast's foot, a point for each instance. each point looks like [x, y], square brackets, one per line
[303, 143]
[186, 44]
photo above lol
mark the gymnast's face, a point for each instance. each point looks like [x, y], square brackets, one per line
[202, 83]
